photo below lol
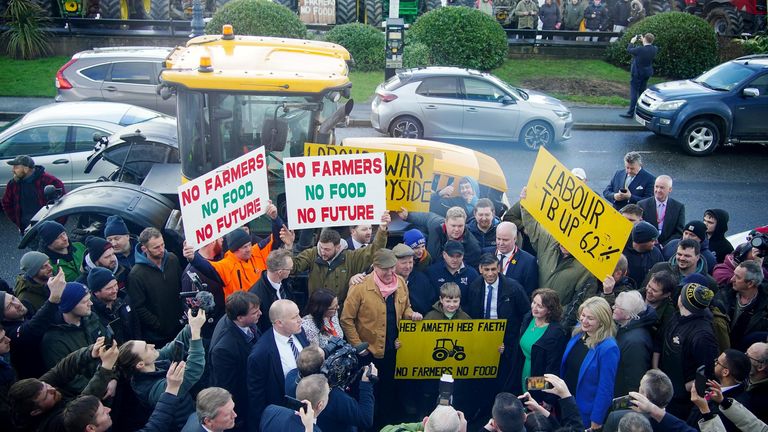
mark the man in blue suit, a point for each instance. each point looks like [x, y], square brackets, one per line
[642, 68]
[631, 184]
[235, 335]
[313, 392]
[215, 412]
[514, 262]
[272, 358]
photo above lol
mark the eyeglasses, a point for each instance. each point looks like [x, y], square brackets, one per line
[756, 360]
[717, 363]
[285, 269]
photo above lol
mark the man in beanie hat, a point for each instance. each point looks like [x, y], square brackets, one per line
[685, 262]
[110, 304]
[25, 326]
[420, 291]
[243, 263]
[331, 264]
[117, 234]
[31, 282]
[154, 284]
[697, 231]
[689, 342]
[75, 327]
[451, 268]
[54, 242]
[378, 303]
[643, 252]
[101, 254]
[415, 240]
[24, 194]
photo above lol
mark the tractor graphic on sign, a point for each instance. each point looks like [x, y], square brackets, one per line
[445, 348]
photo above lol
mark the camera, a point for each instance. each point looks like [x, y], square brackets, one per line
[445, 390]
[197, 299]
[342, 365]
[760, 242]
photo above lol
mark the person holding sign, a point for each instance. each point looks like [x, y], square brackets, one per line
[590, 361]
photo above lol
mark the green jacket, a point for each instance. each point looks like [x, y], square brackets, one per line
[565, 275]
[79, 363]
[437, 313]
[72, 267]
[404, 427]
[572, 15]
[28, 290]
[335, 275]
[527, 12]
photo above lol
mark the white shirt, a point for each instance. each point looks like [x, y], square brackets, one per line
[357, 245]
[286, 353]
[494, 298]
[276, 286]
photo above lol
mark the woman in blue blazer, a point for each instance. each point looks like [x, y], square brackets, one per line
[590, 361]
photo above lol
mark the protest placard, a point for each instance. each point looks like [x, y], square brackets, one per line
[576, 216]
[325, 191]
[224, 199]
[462, 348]
[409, 175]
[317, 11]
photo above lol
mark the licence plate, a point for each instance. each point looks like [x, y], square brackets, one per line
[640, 120]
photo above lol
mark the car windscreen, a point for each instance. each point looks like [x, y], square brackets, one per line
[137, 115]
[724, 77]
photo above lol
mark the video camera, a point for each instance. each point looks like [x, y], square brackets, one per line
[342, 364]
[197, 299]
[760, 242]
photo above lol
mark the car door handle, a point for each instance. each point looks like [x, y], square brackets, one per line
[110, 88]
[430, 107]
[472, 110]
[61, 161]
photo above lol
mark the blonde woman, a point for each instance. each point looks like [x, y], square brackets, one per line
[590, 361]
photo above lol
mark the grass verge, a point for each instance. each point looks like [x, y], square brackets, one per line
[29, 78]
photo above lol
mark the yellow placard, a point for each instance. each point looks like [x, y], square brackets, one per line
[576, 216]
[462, 348]
[408, 175]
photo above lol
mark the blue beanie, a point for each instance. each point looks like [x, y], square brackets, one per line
[115, 226]
[73, 293]
[414, 238]
[49, 231]
[98, 278]
[237, 239]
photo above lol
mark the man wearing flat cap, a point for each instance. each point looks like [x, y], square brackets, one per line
[420, 291]
[24, 194]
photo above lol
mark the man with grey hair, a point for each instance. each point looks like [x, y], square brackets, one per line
[666, 214]
[631, 184]
[274, 283]
[757, 385]
[745, 304]
[514, 262]
[655, 387]
[215, 412]
[634, 422]
[313, 392]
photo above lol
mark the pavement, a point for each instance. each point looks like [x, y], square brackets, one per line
[585, 117]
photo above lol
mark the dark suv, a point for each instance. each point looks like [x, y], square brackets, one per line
[726, 105]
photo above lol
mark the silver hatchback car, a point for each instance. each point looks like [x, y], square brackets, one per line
[455, 103]
[119, 74]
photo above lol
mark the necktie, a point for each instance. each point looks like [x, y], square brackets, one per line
[488, 301]
[293, 348]
[660, 213]
[501, 262]
[628, 181]
[249, 335]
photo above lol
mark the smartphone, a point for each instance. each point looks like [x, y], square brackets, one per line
[108, 340]
[621, 403]
[700, 381]
[537, 383]
[177, 353]
[294, 404]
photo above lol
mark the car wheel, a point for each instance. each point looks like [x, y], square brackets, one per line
[537, 134]
[700, 138]
[406, 127]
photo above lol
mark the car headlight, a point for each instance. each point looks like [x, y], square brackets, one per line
[672, 105]
[562, 114]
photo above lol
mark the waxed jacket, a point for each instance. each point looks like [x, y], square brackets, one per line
[364, 318]
[526, 19]
[572, 15]
[29, 291]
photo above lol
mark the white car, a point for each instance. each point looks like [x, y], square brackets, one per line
[59, 137]
[455, 103]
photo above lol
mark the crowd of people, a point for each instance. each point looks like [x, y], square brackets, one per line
[110, 334]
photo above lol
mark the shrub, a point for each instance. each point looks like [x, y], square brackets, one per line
[729, 48]
[460, 36]
[756, 45]
[25, 38]
[364, 42]
[416, 55]
[257, 18]
[687, 44]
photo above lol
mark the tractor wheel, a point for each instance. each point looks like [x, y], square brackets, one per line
[110, 9]
[160, 10]
[440, 355]
[432, 5]
[287, 3]
[659, 6]
[460, 356]
[373, 14]
[178, 12]
[47, 7]
[725, 20]
[346, 11]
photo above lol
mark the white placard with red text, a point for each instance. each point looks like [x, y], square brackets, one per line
[224, 199]
[325, 191]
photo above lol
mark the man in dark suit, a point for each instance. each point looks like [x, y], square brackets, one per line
[631, 184]
[641, 70]
[359, 236]
[272, 358]
[215, 412]
[313, 392]
[664, 213]
[234, 337]
[514, 262]
[274, 283]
